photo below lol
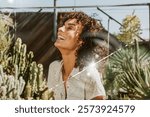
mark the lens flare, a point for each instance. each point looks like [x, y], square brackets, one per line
[92, 65]
[91, 68]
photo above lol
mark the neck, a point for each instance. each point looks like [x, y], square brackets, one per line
[69, 63]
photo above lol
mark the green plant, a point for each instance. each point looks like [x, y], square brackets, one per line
[5, 38]
[10, 87]
[19, 65]
[129, 73]
[20, 76]
[130, 30]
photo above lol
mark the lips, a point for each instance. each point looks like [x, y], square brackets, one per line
[61, 38]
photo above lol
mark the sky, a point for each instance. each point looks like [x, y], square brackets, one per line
[119, 13]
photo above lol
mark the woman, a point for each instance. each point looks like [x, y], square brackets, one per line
[70, 78]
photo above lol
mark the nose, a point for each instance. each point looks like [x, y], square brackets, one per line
[61, 29]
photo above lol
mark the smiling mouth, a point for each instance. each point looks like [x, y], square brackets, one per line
[61, 38]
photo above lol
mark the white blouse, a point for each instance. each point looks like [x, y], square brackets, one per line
[82, 85]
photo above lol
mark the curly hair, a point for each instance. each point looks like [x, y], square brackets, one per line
[86, 53]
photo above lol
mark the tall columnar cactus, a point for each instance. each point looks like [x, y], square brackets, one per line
[10, 87]
[19, 56]
[26, 79]
[20, 76]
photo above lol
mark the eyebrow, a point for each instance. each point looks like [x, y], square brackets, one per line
[72, 24]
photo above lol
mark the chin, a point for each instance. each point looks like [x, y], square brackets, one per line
[58, 45]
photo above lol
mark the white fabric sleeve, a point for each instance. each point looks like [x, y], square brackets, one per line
[95, 87]
[51, 81]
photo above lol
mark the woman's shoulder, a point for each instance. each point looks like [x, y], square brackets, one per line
[56, 63]
[92, 74]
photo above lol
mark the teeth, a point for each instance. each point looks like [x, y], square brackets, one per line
[60, 38]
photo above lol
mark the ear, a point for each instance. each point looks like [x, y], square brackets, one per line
[80, 42]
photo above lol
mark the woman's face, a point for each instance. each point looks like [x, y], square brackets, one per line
[68, 37]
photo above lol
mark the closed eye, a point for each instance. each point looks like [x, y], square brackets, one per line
[70, 28]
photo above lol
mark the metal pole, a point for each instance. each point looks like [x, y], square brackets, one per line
[55, 22]
[15, 25]
[108, 36]
[86, 6]
[108, 39]
[149, 23]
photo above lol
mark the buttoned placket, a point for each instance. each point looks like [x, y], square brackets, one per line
[62, 88]
[62, 93]
[70, 78]
[74, 71]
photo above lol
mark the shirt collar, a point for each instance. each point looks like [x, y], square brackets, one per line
[73, 73]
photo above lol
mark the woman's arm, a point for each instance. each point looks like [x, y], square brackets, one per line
[98, 98]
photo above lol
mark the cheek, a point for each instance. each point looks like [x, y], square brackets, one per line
[71, 35]
[73, 43]
[74, 39]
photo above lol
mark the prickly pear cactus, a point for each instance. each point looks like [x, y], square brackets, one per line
[20, 76]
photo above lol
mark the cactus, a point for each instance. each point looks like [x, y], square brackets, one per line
[5, 38]
[26, 79]
[10, 87]
[20, 76]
